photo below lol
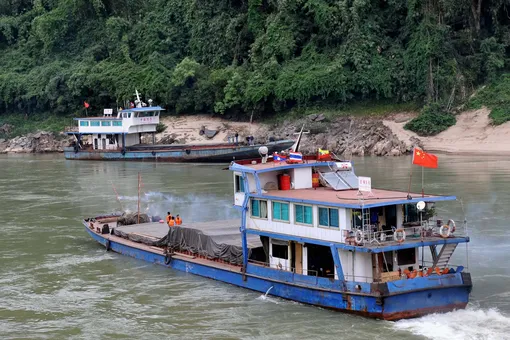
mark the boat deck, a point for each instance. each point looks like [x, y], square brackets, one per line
[224, 231]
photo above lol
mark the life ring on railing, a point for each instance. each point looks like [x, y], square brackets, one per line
[444, 231]
[452, 227]
[399, 231]
[358, 237]
[279, 266]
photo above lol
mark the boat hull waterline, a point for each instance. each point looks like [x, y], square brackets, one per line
[192, 153]
[398, 302]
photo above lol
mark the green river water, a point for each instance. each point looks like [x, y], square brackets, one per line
[57, 283]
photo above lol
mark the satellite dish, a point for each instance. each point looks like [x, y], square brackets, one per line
[420, 205]
[263, 150]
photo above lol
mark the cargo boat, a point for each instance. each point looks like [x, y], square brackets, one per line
[118, 137]
[315, 233]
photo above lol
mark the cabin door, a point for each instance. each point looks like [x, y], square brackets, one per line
[104, 143]
[95, 144]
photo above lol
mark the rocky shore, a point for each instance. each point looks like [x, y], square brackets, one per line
[347, 136]
[39, 142]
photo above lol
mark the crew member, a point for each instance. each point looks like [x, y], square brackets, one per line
[178, 220]
[172, 222]
[168, 218]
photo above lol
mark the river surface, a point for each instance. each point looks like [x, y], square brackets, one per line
[57, 283]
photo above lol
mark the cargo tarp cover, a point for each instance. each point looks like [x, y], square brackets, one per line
[196, 242]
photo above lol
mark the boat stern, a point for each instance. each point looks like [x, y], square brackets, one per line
[405, 299]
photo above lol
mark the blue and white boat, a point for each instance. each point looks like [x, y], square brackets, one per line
[117, 136]
[315, 233]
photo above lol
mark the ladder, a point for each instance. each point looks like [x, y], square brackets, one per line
[441, 260]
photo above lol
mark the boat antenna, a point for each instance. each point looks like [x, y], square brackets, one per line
[137, 96]
[295, 146]
[117, 195]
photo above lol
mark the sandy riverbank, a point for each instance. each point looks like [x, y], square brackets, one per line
[472, 135]
[186, 129]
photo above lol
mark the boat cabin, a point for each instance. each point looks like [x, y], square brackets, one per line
[116, 131]
[320, 219]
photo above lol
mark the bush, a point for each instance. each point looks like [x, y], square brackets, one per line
[160, 127]
[431, 121]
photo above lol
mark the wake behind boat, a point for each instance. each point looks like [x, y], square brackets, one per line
[118, 137]
[313, 232]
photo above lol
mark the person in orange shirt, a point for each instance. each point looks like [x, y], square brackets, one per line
[171, 223]
[178, 220]
[168, 218]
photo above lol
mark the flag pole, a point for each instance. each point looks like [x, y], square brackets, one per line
[422, 192]
[410, 175]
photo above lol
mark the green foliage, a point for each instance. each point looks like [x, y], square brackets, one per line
[23, 125]
[249, 58]
[495, 96]
[432, 120]
[160, 128]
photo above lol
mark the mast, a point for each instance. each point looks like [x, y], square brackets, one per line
[138, 198]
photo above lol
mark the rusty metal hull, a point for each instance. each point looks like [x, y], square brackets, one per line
[220, 153]
[390, 301]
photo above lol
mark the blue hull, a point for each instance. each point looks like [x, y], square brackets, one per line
[390, 301]
[212, 154]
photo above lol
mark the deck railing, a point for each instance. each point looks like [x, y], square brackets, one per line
[373, 236]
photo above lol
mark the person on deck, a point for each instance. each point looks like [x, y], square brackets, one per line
[172, 222]
[178, 220]
[168, 218]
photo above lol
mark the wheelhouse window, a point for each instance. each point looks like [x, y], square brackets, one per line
[239, 183]
[259, 208]
[303, 214]
[84, 123]
[280, 211]
[106, 123]
[328, 217]
[95, 123]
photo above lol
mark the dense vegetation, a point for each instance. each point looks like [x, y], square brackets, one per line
[496, 96]
[246, 57]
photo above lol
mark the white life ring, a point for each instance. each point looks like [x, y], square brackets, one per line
[382, 237]
[399, 231]
[444, 231]
[358, 237]
[451, 225]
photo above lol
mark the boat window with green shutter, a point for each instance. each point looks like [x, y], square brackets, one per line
[84, 123]
[281, 211]
[95, 123]
[239, 183]
[328, 217]
[304, 214]
[259, 208]
[106, 123]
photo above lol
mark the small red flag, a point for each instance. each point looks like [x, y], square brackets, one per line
[86, 104]
[424, 159]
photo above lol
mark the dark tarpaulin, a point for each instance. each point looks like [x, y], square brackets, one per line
[196, 242]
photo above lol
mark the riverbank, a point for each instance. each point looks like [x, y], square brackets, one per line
[346, 136]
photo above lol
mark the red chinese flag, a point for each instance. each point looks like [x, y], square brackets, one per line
[424, 159]
[86, 104]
